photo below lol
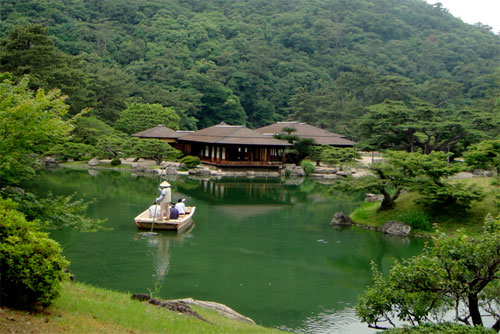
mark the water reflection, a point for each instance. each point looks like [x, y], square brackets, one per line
[159, 244]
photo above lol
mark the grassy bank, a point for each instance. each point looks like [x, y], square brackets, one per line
[86, 309]
[407, 207]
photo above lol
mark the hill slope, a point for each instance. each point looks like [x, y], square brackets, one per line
[321, 61]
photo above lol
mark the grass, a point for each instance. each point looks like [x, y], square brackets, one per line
[86, 309]
[406, 204]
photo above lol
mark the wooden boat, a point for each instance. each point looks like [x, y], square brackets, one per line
[180, 225]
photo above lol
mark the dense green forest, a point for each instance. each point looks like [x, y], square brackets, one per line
[325, 62]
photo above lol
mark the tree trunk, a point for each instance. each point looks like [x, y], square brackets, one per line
[474, 310]
[387, 202]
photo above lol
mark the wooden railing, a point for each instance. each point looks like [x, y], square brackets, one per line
[244, 163]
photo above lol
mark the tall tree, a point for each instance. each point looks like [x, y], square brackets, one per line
[141, 116]
[29, 50]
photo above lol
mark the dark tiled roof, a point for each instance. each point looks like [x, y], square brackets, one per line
[160, 131]
[231, 134]
[304, 130]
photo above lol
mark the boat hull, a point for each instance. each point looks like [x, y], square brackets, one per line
[143, 221]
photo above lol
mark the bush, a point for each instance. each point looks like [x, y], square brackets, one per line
[31, 264]
[418, 220]
[190, 161]
[70, 150]
[445, 328]
[307, 166]
[116, 162]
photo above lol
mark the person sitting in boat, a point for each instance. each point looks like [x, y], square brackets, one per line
[164, 199]
[154, 211]
[174, 213]
[180, 206]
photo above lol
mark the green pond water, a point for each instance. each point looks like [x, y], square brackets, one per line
[263, 247]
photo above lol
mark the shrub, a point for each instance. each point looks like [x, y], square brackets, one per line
[444, 328]
[31, 264]
[418, 220]
[308, 166]
[190, 161]
[70, 150]
[116, 162]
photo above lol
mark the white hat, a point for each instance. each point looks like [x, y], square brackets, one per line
[164, 184]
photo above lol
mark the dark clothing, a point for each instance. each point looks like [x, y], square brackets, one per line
[174, 213]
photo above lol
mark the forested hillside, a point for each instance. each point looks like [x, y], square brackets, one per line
[253, 62]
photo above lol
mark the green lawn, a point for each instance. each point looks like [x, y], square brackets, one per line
[472, 221]
[86, 309]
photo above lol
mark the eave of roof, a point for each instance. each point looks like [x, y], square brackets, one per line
[231, 135]
[304, 130]
[161, 132]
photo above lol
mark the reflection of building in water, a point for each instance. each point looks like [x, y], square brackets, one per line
[238, 191]
[264, 191]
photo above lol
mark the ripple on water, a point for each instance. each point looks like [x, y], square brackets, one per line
[332, 322]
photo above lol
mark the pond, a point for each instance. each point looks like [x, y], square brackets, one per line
[263, 247]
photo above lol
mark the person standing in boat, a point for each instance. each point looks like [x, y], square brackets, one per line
[180, 206]
[164, 199]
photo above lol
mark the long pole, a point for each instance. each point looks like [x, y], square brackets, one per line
[154, 217]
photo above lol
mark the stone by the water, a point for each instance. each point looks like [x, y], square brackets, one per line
[341, 219]
[396, 228]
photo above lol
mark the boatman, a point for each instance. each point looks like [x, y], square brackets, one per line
[164, 199]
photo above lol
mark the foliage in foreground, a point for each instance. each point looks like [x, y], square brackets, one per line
[456, 274]
[31, 263]
[445, 328]
[30, 123]
[53, 212]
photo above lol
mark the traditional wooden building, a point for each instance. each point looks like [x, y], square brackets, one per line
[161, 132]
[304, 130]
[233, 146]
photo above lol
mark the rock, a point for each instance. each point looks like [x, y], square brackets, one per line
[200, 171]
[94, 162]
[220, 308]
[141, 297]
[167, 164]
[171, 170]
[51, 162]
[298, 171]
[396, 228]
[373, 198]
[341, 219]
[323, 170]
[138, 167]
[344, 173]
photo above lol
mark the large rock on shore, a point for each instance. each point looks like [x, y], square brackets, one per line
[200, 171]
[293, 170]
[341, 219]
[51, 162]
[396, 228]
[94, 162]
